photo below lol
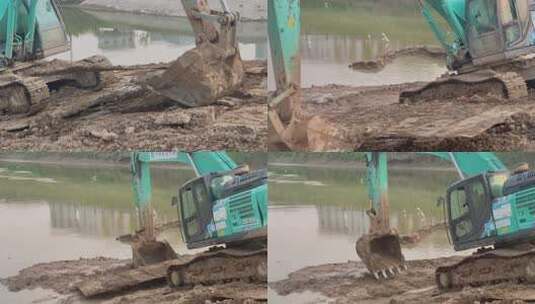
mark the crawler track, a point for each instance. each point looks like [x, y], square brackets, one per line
[21, 94]
[25, 87]
[508, 85]
[504, 265]
[220, 266]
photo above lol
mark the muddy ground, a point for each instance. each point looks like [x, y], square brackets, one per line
[350, 283]
[364, 118]
[64, 276]
[122, 116]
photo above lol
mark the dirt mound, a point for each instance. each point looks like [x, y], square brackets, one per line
[126, 115]
[64, 276]
[371, 118]
[350, 283]
[381, 62]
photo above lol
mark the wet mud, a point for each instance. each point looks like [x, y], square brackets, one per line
[351, 283]
[372, 118]
[64, 277]
[124, 114]
[381, 62]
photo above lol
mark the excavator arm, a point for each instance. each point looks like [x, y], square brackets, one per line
[285, 116]
[380, 249]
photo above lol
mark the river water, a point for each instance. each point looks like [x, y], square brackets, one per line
[127, 39]
[317, 214]
[337, 33]
[51, 212]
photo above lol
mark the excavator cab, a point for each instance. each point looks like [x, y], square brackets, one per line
[469, 209]
[222, 208]
[498, 29]
[195, 210]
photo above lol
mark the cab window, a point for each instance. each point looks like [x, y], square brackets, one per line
[189, 213]
[483, 16]
[510, 20]
[460, 213]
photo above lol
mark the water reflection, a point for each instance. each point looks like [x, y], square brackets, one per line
[91, 220]
[361, 32]
[127, 38]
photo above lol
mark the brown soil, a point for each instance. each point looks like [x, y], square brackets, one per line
[350, 283]
[125, 115]
[382, 61]
[64, 276]
[371, 118]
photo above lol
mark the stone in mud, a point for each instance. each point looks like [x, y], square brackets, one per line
[104, 134]
[200, 76]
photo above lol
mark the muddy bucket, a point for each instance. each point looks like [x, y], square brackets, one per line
[151, 252]
[381, 253]
[200, 76]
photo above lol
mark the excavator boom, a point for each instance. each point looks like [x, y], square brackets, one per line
[285, 115]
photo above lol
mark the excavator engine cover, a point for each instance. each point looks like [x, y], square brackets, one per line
[200, 76]
[381, 253]
[151, 252]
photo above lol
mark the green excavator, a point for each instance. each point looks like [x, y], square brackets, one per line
[224, 205]
[489, 208]
[490, 46]
[31, 31]
[223, 209]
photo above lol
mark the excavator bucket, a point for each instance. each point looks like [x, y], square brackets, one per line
[151, 252]
[380, 249]
[381, 253]
[200, 76]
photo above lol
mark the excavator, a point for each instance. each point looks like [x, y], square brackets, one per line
[489, 209]
[223, 209]
[490, 47]
[31, 31]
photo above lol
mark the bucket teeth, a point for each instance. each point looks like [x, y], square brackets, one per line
[391, 270]
[376, 275]
[384, 274]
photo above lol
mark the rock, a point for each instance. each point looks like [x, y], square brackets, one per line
[173, 119]
[104, 135]
[130, 130]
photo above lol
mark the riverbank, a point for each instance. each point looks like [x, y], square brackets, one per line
[64, 277]
[250, 10]
[349, 283]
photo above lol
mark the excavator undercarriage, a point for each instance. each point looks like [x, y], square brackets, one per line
[25, 87]
[221, 265]
[490, 267]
